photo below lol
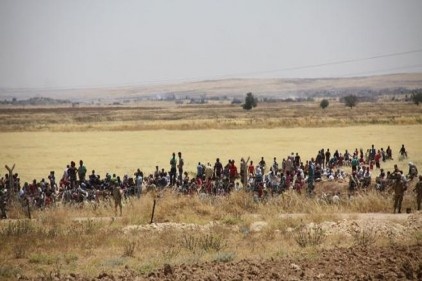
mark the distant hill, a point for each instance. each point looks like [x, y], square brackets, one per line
[232, 88]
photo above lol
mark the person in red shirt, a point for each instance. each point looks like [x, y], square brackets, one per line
[232, 172]
[378, 159]
[251, 169]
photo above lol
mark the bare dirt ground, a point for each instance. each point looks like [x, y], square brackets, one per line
[387, 263]
[337, 264]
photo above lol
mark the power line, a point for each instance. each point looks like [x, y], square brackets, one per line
[222, 76]
[381, 70]
[288, 68]
[332, 63]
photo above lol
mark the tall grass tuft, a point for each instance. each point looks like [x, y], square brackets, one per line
[129, 249]
[18, 228]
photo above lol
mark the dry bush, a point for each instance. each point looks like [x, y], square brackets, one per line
[129, 248]
[365, 237]
[309, 236]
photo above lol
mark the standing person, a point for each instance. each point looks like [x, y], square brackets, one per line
[3, 214]
[244, 172]
[81, 171]
[383, 155]
[52, 179]
[71, 173]
[297, 160]
[336, 154]
[372, 153]
[418, 190]
[311, 176]
[209, 172]
[319, 159]
[65, 177]
[180, 165]
[117, 196]
[275, 167]
[377, 159]
[232, 171]
[157, 172]
[173, 165]
[251, 169]
[263, 165]
[288, 165]
[139, 180]
[399, 188]
[389, 153]
[218, 168]
[413, 171]
[353, 183]
[403, 151]
[355, 163]
[199, 170]
[327, 157]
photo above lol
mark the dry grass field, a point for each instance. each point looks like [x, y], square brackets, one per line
[120, 140]
[88, 240]
[37, 153]
[169, 116]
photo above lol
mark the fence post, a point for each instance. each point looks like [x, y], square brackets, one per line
[153, 210]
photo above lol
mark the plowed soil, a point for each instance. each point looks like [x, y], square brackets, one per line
[387, 263]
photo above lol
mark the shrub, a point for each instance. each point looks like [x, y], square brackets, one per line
[129, 249]
[208, 242]
[364, 237]
[309, 236]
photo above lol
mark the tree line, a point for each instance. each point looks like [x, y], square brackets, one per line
[350, 100]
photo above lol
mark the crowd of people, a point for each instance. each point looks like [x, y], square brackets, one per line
[77, 185]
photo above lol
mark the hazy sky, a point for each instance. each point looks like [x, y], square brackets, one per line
[55, 44]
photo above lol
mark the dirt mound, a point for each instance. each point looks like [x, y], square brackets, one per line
[167, 226]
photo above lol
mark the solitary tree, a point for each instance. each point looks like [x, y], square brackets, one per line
[250, 102]
[324, 103]
[417, 96]
[350, 100]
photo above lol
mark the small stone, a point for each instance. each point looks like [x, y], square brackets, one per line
[320, 275]
[295, 266]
